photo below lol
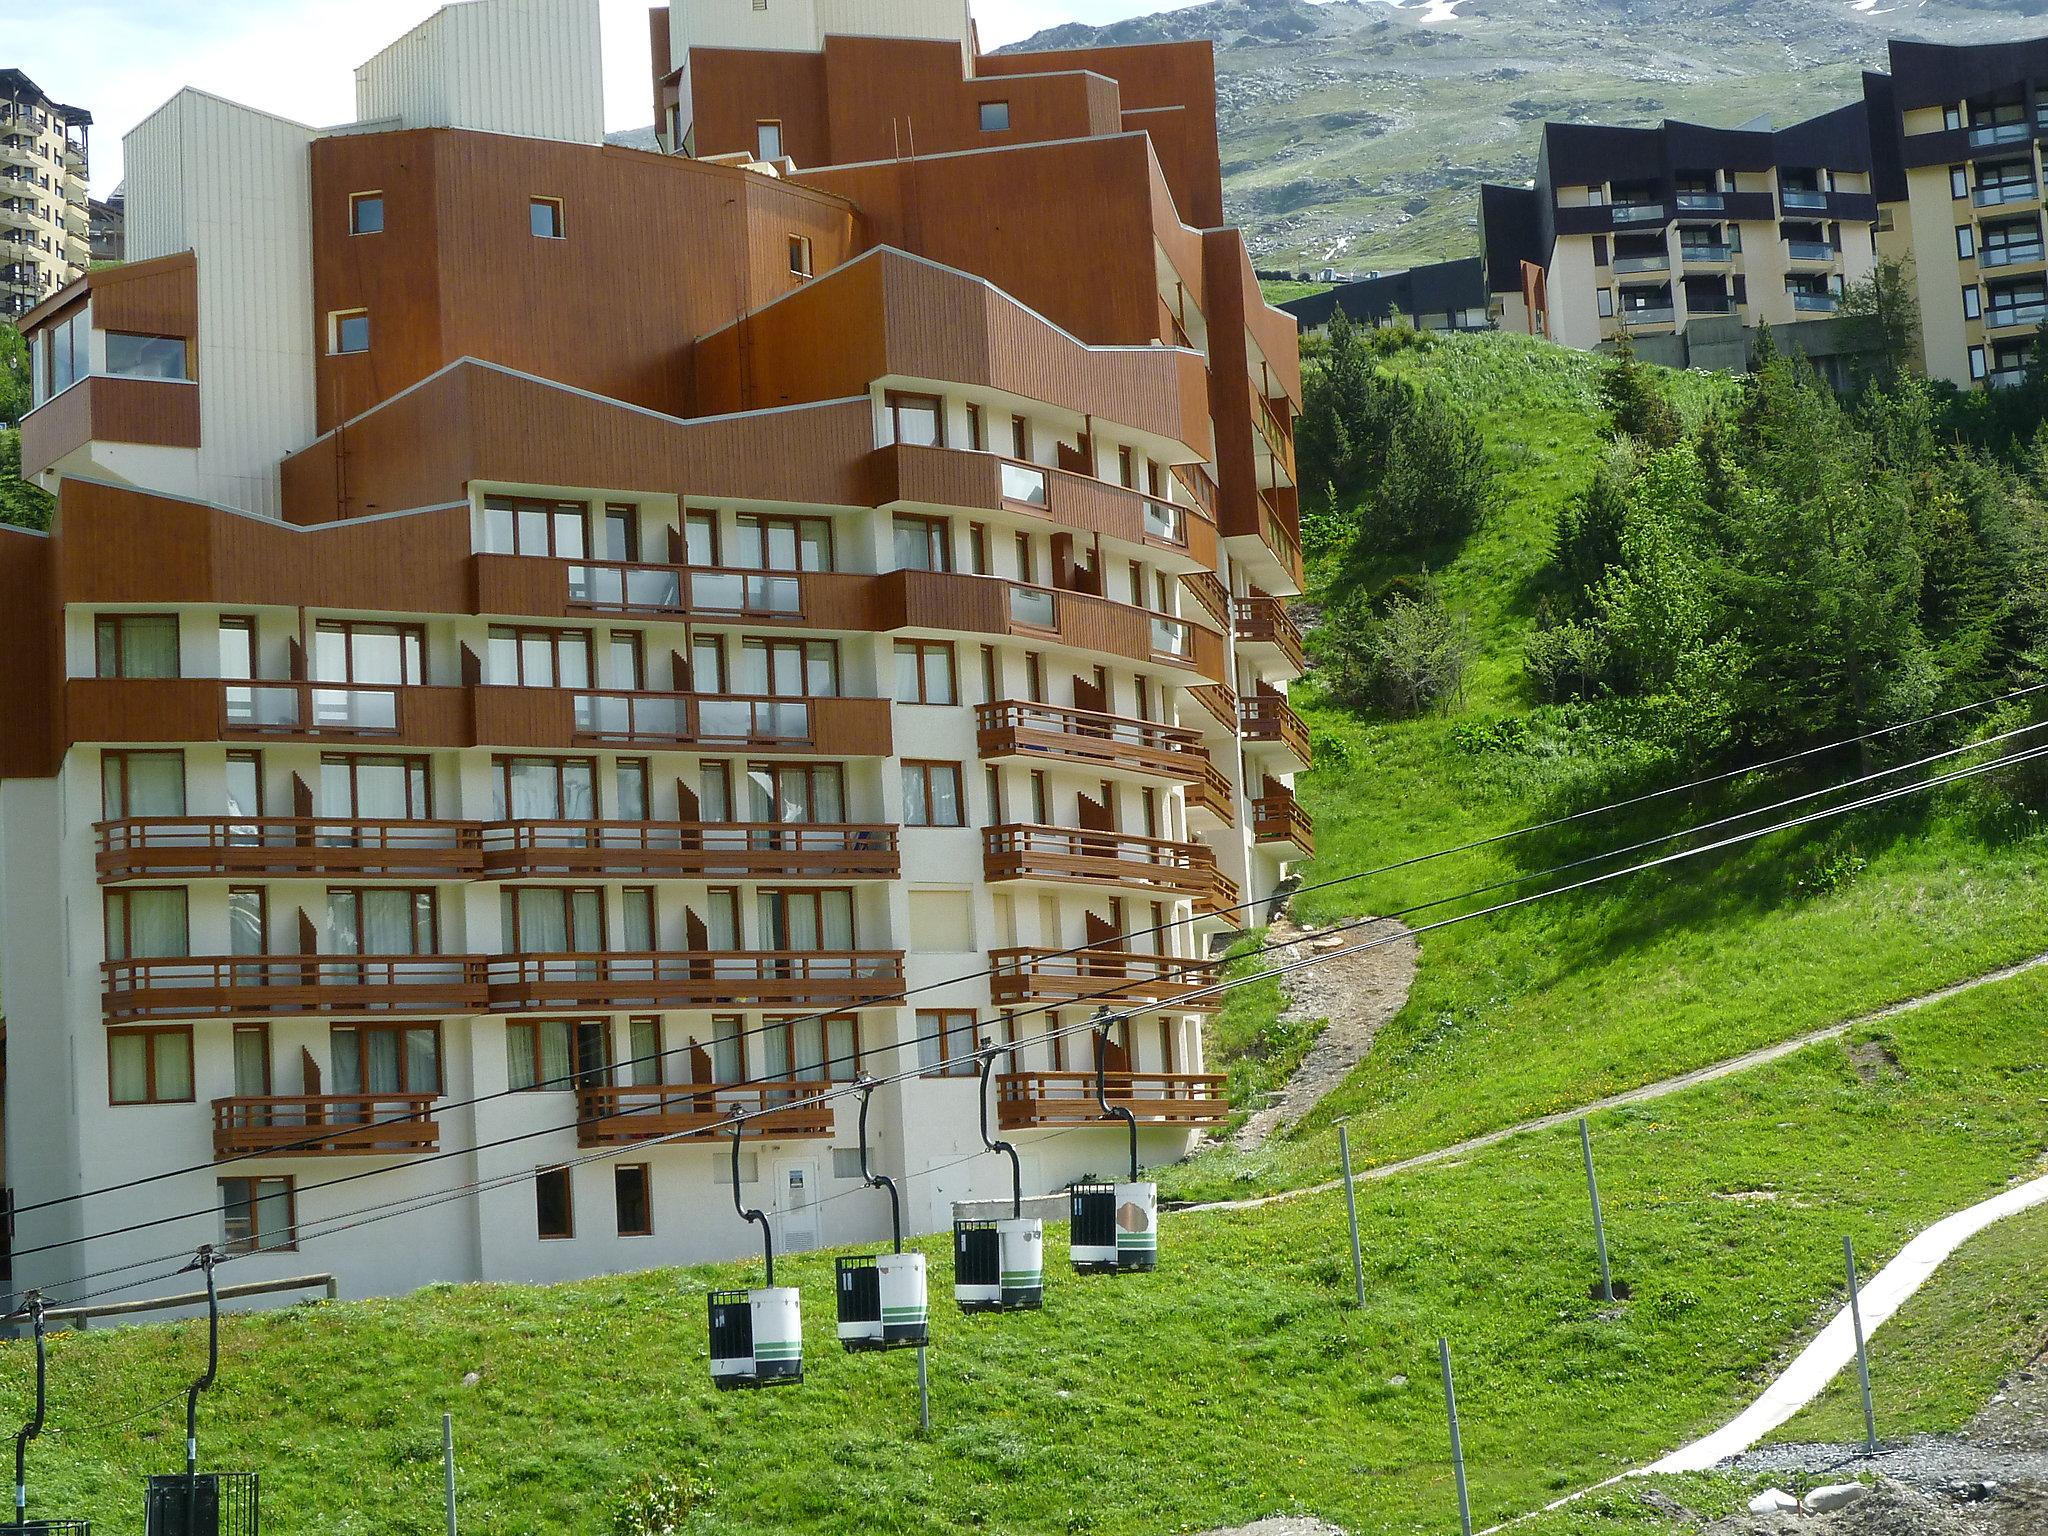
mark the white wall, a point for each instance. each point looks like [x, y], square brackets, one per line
[232, 185]
[527, 67]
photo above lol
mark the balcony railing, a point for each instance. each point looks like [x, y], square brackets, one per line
[1115, 858]
[853, 727]
[1269, 426]
[1700, 202]
[1638, 213]
[1037, 975]
[1648, 314]
[1027, 1099]
[193, 847]
[682, 979]
[1819, 303]
[1661, 262]
[1802, 197]
[1810, 250]
[1017, 729]
[1279, 818]
[1997, 194]
[1268, 720]
[2006, 378]
[310, 709]
[2010, 255]
[1266, 621]
[1211, 594]
[1212, 793]
[326, 1125]
[1220, 704]
[610, 1117]
[222, 986]
[1999, 133]
[1706, 254]
[1998, 316]
[1279, 538]
[1033, 607]
[719, 850]
[680, 589]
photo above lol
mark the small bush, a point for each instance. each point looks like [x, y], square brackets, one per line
[1405, 660]
[659, 1505]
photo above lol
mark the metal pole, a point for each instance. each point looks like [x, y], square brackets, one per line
[1599, 1226]
[34, 1426]
[924, 1396]
[1862, 1355]
[1443, 1350]
[1351, 1211]
[448, 1467]
[205, 1262]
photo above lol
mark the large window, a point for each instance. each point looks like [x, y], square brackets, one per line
[557, 1053]
[811, 1050]
[374, 788]
[149, 1066]
[141, 784]
[924, 672]
[66, 359]
[559, 529]
[917, 420]
[804, 922]
[923, 543]
[790, 669]
[931, 795]
[145, 357]
[633, 1198]
[553, 1211]
[783, 543]
[345, 651]
[378, 1060]
[256, 1215]
[539, 658]
[147, 922]
[544, 788]
[378, 920]
[551, 919]
[945, 1041]
[135, 645]
[792, 794]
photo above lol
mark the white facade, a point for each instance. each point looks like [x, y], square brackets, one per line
[526, 67]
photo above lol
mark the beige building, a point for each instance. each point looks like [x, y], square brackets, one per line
[45, 222]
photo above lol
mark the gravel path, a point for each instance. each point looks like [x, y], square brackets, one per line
[1355, 993]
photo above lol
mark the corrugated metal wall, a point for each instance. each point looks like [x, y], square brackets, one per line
[527, 67]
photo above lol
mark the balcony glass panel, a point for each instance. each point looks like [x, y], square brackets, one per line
[355, 709]
[1170, 637]
[1163, 521]
[1648, 314]
[1033, 607]
[2028, 312]
[745, 592]
[1810, 250]
[1998, 133]
[1992, 194]
[623, 586]
[1700, 201]
[1023, 483]
[1819, 302]
[265, 708]
[1657, 263]
[1706, 252]
[1802, 197]
[2009, 255]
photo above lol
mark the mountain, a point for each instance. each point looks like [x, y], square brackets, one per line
[1355, 132]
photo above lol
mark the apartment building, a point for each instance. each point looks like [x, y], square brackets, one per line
[45, 228]
[1440, 296]
[545, 645]
[1956, 135]
[1683, 237]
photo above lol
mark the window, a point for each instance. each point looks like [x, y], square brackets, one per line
[931, 795]
[633, 780]
[767, 543]
[256, 1215]
[1977, 367]
[621, 532]
[923, 543]
[636, 919]
[67, 358]
[377, 1060]
[1606, 303]
[348, 330]
[991, 675]
[374, 787]
[800, 255]
[558, 529]
[789, 669]
[544, 788]
[1966, 241]
[977, 548]
[945, 1041]
[551, 919]
[238, 646]
[385, 654]
[975, 436]
[995, 117]
[141, 784]
[916, 420]
[136, 645]
[1958, 181]
[245, 784]
[791, 794]
[544, 215]
[924, 672]
[628, 661]
[643, 1063]
[557, 1053]
[768, 139]
[380, 920]
[539, 658]
[252, 1060]
[366, 213]
[147, 922]
[700, 538]
[149, 1066]
[553, 1213]
[809, 1050]
[632, 1198]
[145, 357]
[1020, 438]
[1951, 117]
[1973, 302]
[802, 922]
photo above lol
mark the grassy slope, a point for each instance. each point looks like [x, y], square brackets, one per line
[1235, 1382]
[1517, 1015]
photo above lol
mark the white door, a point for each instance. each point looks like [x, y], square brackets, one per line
[796, 1204]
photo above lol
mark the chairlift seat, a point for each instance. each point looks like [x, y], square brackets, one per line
[1115, 1227]
[757, 1338]
[999, 1266]
[219, 1504]
[884, 1302]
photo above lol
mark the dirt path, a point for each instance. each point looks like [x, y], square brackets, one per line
[1355, 993]
[1647, 1091]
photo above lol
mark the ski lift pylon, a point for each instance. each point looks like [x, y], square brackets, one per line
[1115, 1226]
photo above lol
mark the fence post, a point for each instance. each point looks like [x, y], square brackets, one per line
[1443, 1350]
[1599, 1226]
[924, 1394]
[1862, 1354]
[1351, 1212]
[448, 1467]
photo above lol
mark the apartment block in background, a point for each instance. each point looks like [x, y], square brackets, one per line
[1957, 134]
[1685, 238]
[552, 641]
[45, 227]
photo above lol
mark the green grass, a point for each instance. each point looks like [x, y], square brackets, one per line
[1279, 291]
[1248, 1040]
[1236, 1382]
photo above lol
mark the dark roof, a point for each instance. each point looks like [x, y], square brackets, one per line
[1887, 130]
[1510, 233]
[1934, 74]
[18, 85]
[1443, 287]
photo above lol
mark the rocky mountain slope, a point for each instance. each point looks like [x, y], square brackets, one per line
[1355, 131]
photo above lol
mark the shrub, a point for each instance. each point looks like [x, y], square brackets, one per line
[1403, 661]
[659, 1505]
[1635, 402]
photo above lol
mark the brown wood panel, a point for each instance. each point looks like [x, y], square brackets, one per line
[159, 297]
[732, 89]
[102, 408]
[29, 633]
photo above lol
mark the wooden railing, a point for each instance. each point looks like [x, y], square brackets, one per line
[196, 846]
[1266, 621]
[326, 1125]
[1031, 975]
[1212, 793]
[735, 850]
[1066, 853]
[1220, 702]
[1279, 818]
[1027, 1099]
[1014, 728]
[1267, 718]
[1210, 593]
[610, 1117]
[689, 979]
[1279, 538]
[219, 986]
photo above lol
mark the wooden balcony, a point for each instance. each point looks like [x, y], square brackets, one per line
[693, 850]
[1212, 795]
[104, 408]
[1108, 858]
[1095, 976]
[1220, 897]
[613, 1117]
[1220, 704]
[1210, 594]
[122, 710]
[1270, 725]
[686, 979]
[1265, 626]
[1049, 731]
[1025, 1100]
[257, 986]
[326, 1125]
[1277, 817]
[547, 717]
[194, 847]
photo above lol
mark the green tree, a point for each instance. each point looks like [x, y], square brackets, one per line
[1635, 401]
[22, 504]
[1881, 315]
[1403, 657]
[15, 394]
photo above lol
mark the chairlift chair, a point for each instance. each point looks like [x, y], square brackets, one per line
[884, 1300]
[23, 1526]
[1115, 1226]
[999, 1266]
[195, 1503]
[757, 1336]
